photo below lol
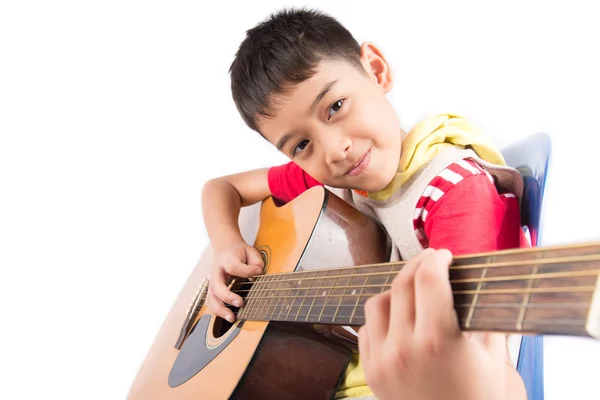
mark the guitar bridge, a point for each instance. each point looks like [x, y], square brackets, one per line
[192, 311]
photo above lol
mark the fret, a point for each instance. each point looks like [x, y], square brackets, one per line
[259, 311]
[526, 297]
[346, 300]
[391, 270]
[246, 311]
[476, 297]
[304, 284]
[374, 285]
[394, 269]
[294, 308]
[334, 298]
[534, 314]
[387, 274]
[315, 295]
[287, 302]
[361, 281]
[327, 292]
[279, 292]
[480, 295]
[275, 295]
[252, 301]
[267, 296]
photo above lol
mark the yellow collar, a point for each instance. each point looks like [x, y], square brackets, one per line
[430, 137]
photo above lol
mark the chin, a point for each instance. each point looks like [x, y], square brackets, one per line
[387, 179]
[376, 187]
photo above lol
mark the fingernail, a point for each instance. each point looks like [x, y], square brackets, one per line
[258, 271]
[237, 303]
[229, 318]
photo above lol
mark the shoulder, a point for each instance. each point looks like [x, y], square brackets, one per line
[455, 174]
[288, 181]
[457, 177]
[463, 198]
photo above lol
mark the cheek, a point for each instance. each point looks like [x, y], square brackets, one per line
[313, 168]
[378, 120]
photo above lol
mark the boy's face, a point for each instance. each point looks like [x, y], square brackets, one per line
[338, 126]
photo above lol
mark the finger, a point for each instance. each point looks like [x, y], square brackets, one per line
[253, 259]
[237, 268]
[496, 344]
[377, 317]
[363, 344]
[402, 307]
[433, 297]
[218, 287]
[218, 308]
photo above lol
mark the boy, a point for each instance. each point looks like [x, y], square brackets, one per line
[302, 81]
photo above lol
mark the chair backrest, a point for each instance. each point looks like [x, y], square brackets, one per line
[531, 157]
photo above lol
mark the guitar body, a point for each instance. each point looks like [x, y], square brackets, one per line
[255, 359]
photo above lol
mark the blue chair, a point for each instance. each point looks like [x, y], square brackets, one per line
[531, 157]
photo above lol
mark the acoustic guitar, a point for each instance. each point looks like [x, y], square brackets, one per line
[323, 260]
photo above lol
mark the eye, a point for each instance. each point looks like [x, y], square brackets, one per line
[299, 147]
[335, 107]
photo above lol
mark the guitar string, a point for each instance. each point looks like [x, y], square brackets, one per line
[486, 321]
[569, 290]
[513, 278]
[300, 275]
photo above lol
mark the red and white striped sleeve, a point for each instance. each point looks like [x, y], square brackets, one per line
[288, 181]
[461, 210]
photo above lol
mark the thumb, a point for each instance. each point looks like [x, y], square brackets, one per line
[253, 257]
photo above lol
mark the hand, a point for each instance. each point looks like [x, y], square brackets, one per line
[241, 260]
[412, 347]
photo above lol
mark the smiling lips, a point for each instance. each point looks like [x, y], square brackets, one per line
[361, 165]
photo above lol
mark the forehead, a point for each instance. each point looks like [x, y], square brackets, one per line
[326, 72]
[296, 102]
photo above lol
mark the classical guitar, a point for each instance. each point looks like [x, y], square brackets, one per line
[323, 260]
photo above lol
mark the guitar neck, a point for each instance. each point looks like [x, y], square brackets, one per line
[551, 290]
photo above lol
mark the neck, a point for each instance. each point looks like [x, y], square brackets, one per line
[540, 290]
[403, 134]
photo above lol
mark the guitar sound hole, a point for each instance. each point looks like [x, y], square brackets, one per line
[222, 326]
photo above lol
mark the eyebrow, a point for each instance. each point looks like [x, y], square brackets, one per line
[284, 139]
[322, 94]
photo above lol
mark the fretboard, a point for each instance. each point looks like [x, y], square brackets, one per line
[542, 290]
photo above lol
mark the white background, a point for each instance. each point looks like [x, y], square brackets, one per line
[114, 113]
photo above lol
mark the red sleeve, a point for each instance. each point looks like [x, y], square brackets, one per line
[288, 181]
[472, 217]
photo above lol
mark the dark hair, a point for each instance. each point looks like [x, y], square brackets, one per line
[283, 51]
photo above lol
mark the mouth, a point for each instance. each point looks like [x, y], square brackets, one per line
[360, 165]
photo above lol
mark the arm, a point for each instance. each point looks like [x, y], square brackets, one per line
[471, 218]
[222, 199]
[412, 347]
[411, 342]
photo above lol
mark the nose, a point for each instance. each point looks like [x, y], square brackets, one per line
[337, 148]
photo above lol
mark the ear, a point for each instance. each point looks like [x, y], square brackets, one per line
[376, 66]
